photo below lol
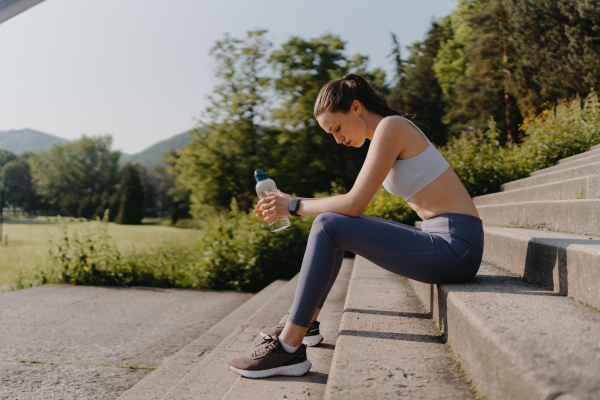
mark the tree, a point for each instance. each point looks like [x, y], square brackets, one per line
[130, 195]
[19, 190]
[417, 90]
[483, 92]
[307, 159]
[219, 162]
[558, 48]
[69, 172]
[6, 157]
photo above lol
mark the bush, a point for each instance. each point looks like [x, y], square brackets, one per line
[131, 207]
[237, 252]
[482, 164]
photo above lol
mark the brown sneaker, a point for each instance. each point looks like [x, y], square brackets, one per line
[271, 359]
[312, 337]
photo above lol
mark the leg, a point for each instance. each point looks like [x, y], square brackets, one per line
[399, 248]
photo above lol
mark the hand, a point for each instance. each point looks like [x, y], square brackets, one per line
[274, 206]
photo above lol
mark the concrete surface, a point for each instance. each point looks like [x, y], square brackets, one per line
[562, 175]
[587, 187]
[572, 163]
[311, 385]
[572, 216]
[92, 331]
[158, 383]
[517, 340]
[592, 151]
[388, 347]
[566, 263]
[212, 378]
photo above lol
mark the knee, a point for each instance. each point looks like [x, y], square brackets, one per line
[326, 220]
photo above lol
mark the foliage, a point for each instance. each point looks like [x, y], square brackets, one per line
[19, 190]
[6, 157]
[558, 47]
[483, 164]
[219, 162]
[392, 207]
[417, 90]
[237, 252]
[71, 171]
[130, 196]
[306, 158]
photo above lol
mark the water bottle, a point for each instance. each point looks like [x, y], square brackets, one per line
[265, 184]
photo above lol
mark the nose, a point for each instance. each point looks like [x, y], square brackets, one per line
[338, 138]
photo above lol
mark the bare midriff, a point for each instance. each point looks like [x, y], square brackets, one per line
[444, 195]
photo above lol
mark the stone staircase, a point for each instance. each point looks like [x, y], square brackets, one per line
[527, 327]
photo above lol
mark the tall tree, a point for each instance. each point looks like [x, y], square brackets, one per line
[131, 196]
[558, 46]
[219, 162]
[307, 159]
[417, 90]
[483, 92]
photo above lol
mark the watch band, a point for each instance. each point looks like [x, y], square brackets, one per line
[293, 207]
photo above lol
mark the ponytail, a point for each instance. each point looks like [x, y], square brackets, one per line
[339, 94]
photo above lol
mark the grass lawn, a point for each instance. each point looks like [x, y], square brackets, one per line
[28, 239]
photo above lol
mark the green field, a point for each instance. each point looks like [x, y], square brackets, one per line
[28, 240]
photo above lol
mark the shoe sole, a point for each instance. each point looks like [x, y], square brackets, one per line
[288, 370]
[310, 341]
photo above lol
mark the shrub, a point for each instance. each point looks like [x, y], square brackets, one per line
[482, 164]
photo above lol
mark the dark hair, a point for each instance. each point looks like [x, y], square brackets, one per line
[338, 95]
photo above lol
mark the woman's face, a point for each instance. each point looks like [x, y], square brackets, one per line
[348, 128]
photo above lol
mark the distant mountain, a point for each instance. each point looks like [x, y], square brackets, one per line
[153, 154]
[21, 140]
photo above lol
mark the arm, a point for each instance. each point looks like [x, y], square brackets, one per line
[388, 142]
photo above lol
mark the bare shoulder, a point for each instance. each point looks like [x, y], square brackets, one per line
[396, 125]
[399, 131]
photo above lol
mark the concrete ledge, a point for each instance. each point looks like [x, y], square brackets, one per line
[573, 216]
[311, 385]
[517, 340]
[592, 151]
[156, 384]
[566, 263]
[594, 158]
[557, 176]
[212, 378]
[388, 347]
[587, 187]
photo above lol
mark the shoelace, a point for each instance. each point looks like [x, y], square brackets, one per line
[268, 343]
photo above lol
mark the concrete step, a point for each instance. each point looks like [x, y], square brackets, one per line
[388, 347]
[212, 378]
[517, 340]
[592, 151]
[573, 216]
[573, 163]
[587, 187]
[566, 263]
[311, 385]
[156, 384]
[557, 176]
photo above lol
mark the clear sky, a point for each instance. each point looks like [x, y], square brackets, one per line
[140, 69]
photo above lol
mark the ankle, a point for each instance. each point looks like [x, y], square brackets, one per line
[289, 349]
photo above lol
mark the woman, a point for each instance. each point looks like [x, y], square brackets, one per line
[447, 249]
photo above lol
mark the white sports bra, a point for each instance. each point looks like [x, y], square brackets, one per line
[408, 177]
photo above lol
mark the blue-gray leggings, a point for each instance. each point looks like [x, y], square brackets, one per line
[447, 249]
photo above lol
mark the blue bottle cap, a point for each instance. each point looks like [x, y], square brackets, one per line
[261, 174]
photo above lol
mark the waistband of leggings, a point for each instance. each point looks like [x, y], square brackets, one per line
[456, 217]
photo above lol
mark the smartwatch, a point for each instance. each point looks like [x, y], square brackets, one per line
[293, 207]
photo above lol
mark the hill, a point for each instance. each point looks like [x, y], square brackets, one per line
[153, 154]
[21, 140]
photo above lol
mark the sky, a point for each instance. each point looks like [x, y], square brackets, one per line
[141, 71]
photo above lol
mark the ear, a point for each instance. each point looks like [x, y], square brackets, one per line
[356, 107]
